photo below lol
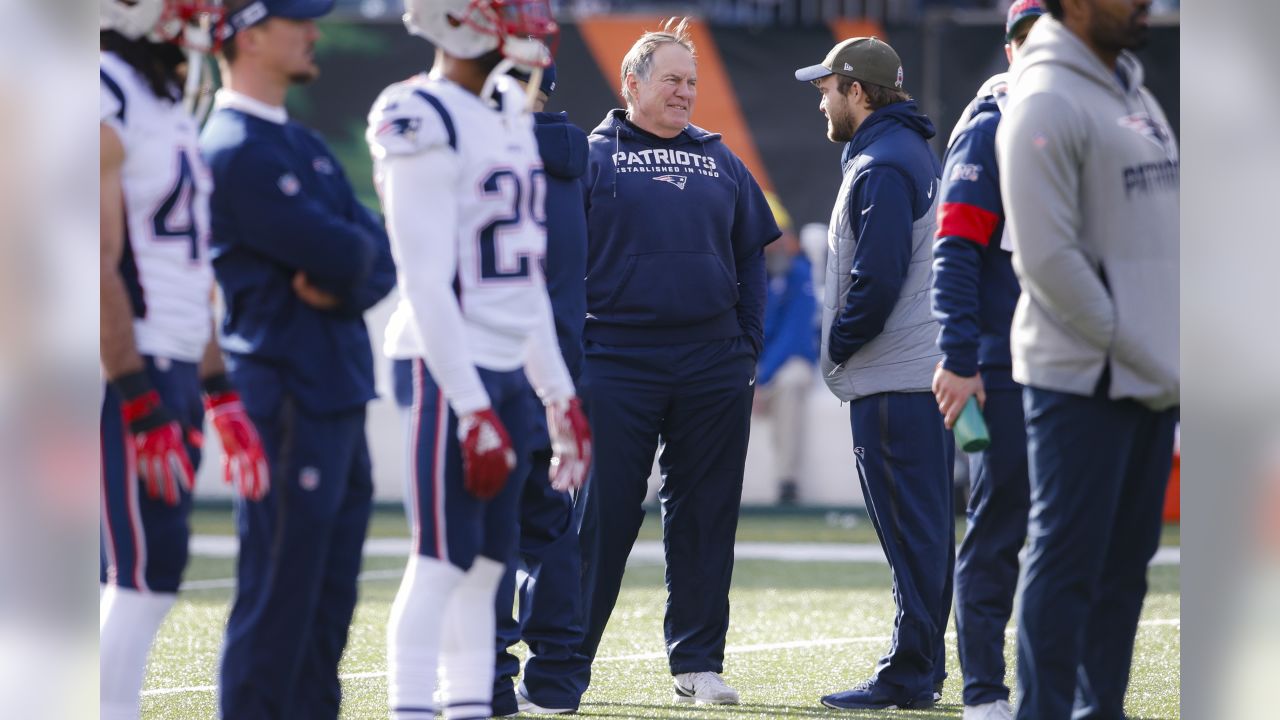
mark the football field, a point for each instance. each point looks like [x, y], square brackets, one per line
[798, 629]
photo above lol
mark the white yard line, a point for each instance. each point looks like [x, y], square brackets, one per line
[735, 650]
[650, 551]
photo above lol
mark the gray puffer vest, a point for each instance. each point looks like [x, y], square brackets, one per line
[903, 356]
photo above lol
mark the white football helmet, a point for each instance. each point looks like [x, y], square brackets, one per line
[522, 29]
[192, 24]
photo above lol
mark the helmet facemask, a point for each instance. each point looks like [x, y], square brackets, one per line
[191, 24]
[522, 29]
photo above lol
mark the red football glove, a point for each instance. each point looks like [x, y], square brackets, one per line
[570, 444]
[244, 464]
[487, 455]
[161, 457]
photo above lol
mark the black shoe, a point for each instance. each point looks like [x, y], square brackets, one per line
[789, 494]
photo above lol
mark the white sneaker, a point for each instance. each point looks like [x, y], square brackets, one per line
[704, 688]
[530, 707]
[998, 710]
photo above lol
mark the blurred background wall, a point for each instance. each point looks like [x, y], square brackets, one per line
[747, 52]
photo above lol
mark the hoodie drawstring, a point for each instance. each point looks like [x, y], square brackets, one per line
[617, 132]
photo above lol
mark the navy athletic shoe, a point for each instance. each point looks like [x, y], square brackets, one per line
[870, 695]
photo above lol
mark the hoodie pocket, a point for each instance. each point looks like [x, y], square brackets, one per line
[672, 288]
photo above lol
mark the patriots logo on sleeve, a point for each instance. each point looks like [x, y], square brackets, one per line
[965, 171]
[406, 127]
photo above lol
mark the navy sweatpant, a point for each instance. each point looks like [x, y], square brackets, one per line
[144, 540]
[550, 619]
[1099, 468]
[904, 455]
[300, 554]
[695, 400]
[987, 564]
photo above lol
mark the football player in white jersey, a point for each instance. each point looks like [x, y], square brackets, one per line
[462, 186]
[157, 346]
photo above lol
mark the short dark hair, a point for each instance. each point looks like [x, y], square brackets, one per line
[1054, 7]
[878, 96]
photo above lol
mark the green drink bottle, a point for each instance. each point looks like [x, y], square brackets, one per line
[971, 429]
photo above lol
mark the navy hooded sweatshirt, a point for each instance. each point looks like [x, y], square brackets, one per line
[676, 230]
[563, 147]
[975, 289]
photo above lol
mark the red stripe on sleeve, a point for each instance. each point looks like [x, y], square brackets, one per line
[970, 222]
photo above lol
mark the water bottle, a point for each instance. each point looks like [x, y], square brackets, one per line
[971, 429]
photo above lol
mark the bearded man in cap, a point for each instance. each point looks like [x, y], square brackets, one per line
[974, 294]
[879, 351]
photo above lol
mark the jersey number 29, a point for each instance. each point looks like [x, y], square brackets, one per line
[503, 182]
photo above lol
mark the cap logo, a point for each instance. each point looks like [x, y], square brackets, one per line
[252, 14]
[898, 83]
[848, 67]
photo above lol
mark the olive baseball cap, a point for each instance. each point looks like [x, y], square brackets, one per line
[867, 59]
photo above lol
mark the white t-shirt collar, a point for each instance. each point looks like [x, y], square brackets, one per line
[228, 98]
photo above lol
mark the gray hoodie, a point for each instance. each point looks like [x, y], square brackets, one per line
[1089, 175]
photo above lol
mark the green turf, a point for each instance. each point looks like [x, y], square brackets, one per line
[756, 525]
[842, 611]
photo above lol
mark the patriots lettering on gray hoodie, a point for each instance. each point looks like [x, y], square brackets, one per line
[1089, 174]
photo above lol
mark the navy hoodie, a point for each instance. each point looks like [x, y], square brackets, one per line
[975, 289]
[563, 147]
[676, 231]
[897, 181]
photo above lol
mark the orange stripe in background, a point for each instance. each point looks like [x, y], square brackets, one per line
[845, 28]
[716, 108]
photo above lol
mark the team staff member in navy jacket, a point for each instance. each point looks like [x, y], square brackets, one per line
[879, 350]
[974, 293]
[550, 620]
[299, 260]
[675, 309]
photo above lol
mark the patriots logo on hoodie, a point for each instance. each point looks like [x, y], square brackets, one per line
[1144, 125]
[677, 180]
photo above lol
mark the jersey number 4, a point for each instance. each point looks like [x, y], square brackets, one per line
[175, 218]
[504, 183]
